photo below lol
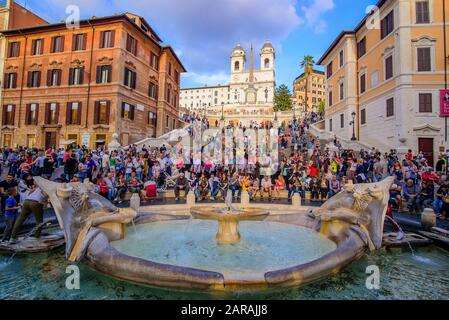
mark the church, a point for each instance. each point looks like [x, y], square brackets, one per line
[249, 94]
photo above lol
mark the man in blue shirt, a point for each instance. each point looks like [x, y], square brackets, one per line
[11, 212]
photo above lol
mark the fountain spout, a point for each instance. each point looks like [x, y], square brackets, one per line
[228, 201]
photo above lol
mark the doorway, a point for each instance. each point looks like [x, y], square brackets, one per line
[425, 145]
[50, 140]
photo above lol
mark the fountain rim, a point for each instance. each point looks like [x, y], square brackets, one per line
[240, 214]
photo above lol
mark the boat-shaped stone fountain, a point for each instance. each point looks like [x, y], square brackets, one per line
[258, 248]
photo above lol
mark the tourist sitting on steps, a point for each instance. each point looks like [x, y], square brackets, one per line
[35, 204]
[182, 183]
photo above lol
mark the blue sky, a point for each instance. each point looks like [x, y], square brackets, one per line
[203, 32]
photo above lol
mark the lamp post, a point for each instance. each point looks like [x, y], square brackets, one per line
[222, 111]
[353, 126]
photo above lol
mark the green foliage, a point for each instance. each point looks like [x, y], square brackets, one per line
[307, 63]
[321, 107]
[283, 99]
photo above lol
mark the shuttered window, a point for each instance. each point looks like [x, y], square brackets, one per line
[152, 91]
[52, 113]
[8, 115]
[127, 111]
[14, 49]
[79, 42]
[390, 107]
[329, 70]
[131, 45]
[424, 60]
[387, 25]
[104, 74]
[31, 114]
[57, 44]
[363, 116]
[361, 48]
[10, 80]
[76, 76]
[34, 79]
[330, 99]
[389, 67]
[130, 78]
[102, 112]
[37, 47]
[107, 39]
[422, 12]
[54, 77]
[363, 83]
[425, 102]
[73, 113]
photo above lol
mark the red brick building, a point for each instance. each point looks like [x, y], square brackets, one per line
[81, 85]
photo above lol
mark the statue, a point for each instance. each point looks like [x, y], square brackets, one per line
[114, 145]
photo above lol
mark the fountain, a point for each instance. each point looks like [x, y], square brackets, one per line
[228, 219]
[171, 250]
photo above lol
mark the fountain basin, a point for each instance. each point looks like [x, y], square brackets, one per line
[228, 220]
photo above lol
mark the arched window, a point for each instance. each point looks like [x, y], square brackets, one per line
[237, 66]
[267, 63]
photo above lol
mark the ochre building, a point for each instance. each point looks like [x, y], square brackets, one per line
[64, 86]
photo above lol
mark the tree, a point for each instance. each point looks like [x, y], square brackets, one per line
[283, 99]
[307, 64]
[321, 108]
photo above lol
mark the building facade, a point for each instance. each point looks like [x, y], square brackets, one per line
[250, 90]
[67, 86]
[388, 72]
[311, 86]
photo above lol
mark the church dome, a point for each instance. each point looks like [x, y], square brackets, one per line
[238, 50]
[267, 44]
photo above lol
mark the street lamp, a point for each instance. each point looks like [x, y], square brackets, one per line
[353, 126]
[222, 111]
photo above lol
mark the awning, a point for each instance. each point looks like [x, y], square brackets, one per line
[69, 142]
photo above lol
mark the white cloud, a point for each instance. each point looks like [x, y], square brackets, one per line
[313, 14]
[207, 79]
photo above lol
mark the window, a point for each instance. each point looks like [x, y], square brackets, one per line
[104, 74]
[389, 67]
[329, 70]
[342, 90]
[363, 83]
[57, 44]
[177, 78]
[424, 59]
[34, 79]
[131, 45]
[363, 116]
[422, 12]
[425, 102]
[341, 58]
[267, 63]
[330, 99]
[152, 91]
[374, 79]
[52, 113]
[130, 78]
[8, 115]
[31, 141]
[102, 112]
[127, 111]
[14, 49]
[7, 140]
[79, 42]
[76, 76]
[10, 81]
[152, 118]
[31, 114]
[330, 125]
[37, 47]
[361, 48]
[54, 77]
[168, 95]
[342, 120]
[390, 107]
[236, 66]
[387, 25]
[107, 39]
[73, 116]
[154, 61]
[169, 68]
[167, 121]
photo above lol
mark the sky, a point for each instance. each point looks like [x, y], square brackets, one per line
[204, 32]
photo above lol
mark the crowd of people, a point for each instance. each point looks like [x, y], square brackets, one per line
[305, 167]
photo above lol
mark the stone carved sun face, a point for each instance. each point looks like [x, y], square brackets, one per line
[361, 199]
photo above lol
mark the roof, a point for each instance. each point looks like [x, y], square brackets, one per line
[176, 56]
[379, 4]
[267, 44]
[85, 22]
[313, 71]
[205, 87]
